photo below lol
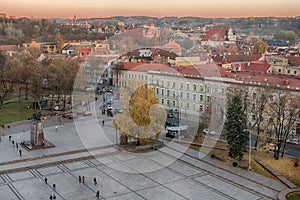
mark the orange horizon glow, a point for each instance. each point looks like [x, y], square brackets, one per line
[153, 8]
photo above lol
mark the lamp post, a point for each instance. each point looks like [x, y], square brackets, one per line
[249, 167]
[116, 136]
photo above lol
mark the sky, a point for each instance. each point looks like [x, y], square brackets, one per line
[156, 8]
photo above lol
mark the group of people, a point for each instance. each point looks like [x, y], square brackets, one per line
[80, 179]
[15, 144]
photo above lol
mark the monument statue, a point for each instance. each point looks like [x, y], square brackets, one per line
[37, 133]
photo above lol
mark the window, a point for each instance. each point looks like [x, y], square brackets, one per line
[208, 99]
[201, 88]
[157, 90]
[168, 83]
[187, 86]
[254, 95]
[181, 85]
[194, 96]
[295, 72]
[162, 91]
[195, 87]
[162, 83]
[174, 94]
[168, 102]
[289, 71]
[174, 104]
[201, 97]
[162, 101]
[279, 70]
[194, 107]
[216, 90]
[187, 95]
[168, 93]
[181, 94]
[207, 88]
[201, 108]
[187, 105]
[174, 85]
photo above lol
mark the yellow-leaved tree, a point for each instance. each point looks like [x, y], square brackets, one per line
[142, 117]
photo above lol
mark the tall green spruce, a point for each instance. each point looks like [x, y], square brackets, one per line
[235, 125]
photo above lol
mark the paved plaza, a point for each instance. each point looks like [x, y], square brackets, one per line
[172, 172]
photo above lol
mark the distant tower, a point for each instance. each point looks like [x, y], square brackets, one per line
[75, 18]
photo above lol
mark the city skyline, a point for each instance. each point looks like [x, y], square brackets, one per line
[155, 8]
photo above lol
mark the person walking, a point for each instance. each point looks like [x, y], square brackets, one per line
[54, 197]
[54, 186]
[83, 179]
[20, 152]
[95, 181]
[98, 194]
[46, 180]
[79, 179]
[102, 122]
[17, 145]
[51, 197]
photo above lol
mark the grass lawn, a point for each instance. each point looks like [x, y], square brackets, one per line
[293, 197]
[285, 165]
[13, 112]
[10, 96]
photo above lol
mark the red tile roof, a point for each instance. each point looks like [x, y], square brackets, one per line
[171, 46]
[256, 66]
[8, 48]
[294, 60]
[237, 58]
[215, 34]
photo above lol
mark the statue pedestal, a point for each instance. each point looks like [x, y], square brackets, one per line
[37, 134]
[37, 139]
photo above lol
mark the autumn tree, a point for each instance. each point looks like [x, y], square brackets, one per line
[235, 125]
[285, 35]
[232, 49]
[60, 41]
[142, 117]
[259, 47]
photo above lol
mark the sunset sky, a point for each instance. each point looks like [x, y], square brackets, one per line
[159, 8]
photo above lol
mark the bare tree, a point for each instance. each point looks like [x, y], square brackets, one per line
[283, 109]
[6, 84]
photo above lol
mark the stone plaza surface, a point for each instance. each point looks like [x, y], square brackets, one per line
[167, 173]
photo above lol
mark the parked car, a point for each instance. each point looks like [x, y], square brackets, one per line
[293, 141]
[212, 132]
[270, 147]
[170, 115]
[205, 131]
[118, 110]
[70, 115]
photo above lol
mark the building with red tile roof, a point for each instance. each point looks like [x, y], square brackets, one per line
[218, 37]
[9, 50]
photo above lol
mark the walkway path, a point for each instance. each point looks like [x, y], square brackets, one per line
[87, 149]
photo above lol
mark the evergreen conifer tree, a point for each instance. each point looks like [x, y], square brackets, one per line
[235, 127]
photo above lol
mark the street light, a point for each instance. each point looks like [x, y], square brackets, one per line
[249, 167]
[116, 136]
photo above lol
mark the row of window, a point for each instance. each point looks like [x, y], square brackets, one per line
[186, 106]
[174, 95]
